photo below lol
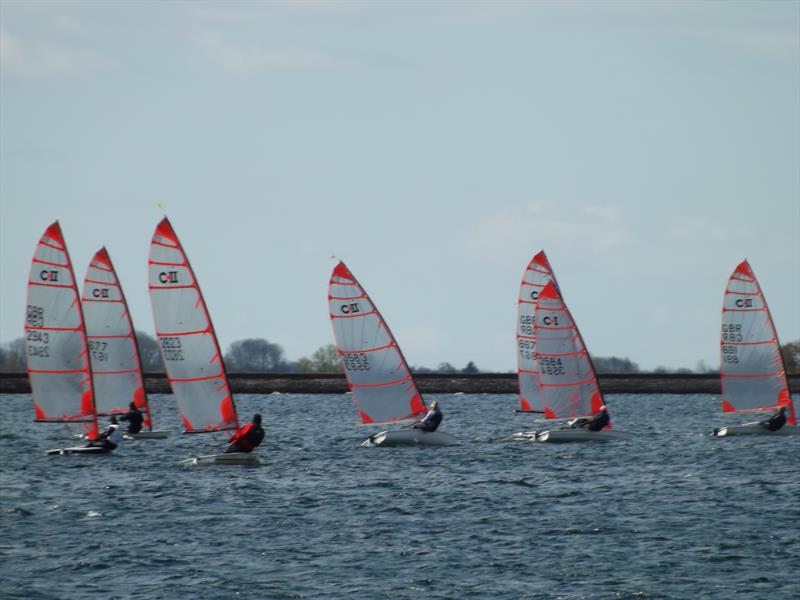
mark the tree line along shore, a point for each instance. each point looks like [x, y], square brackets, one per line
[431, 383]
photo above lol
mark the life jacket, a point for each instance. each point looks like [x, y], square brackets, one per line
[248, 437]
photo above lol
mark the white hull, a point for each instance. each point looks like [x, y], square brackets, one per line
[754, 429]
[233, 458]
[409, 437]
[574, 435]
[158, 434]
[79, 450]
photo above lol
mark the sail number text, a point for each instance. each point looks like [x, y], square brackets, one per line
[732, 333]
[526, 324]
[98, 351]
[37, 340]
[730, 355]
[355, 361]
[527, 349]
[35, 316]
[551, 365]
[171, 348]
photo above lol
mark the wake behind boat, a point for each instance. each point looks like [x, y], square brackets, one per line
[752, 371]
[567, 380]
[380, 381]
[189, 346]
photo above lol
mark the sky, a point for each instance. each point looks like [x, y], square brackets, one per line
[647, 147]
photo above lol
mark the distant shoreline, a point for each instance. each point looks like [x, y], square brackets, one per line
[430, 383]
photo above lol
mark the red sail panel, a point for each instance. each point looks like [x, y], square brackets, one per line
[113, 349]
[751, 366]
[189, 346]
[537, 274]
[55, 338]
[381, 383]
[566, 374]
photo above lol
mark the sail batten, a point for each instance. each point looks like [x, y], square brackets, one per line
[55, 338]
[380, 381]
[751, 366]
[186, 336]
[537, 274]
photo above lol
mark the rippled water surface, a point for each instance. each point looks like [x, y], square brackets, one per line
[673, 514]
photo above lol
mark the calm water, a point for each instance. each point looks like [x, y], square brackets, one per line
[674, 514]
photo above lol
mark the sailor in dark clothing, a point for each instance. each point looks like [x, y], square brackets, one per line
[776, 421]
[134, 417]
[248, 437]
[110, 438]
[432, 420]
[595, 422]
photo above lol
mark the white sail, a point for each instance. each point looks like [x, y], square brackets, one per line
[752, 370]
[55, 338]
[537, 274]
[113, 349]
[380, 380]
[566, 375]
[188, 343]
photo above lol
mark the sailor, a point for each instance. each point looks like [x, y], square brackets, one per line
[134, 417]
[248, 437]
[595, 422]
[776, 421]
[110, 438]
[432, 420]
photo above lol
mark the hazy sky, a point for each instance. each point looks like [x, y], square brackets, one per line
[434, 147]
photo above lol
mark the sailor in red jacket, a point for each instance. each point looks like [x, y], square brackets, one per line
[248, 437]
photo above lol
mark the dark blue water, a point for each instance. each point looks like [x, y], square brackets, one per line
[674, 514]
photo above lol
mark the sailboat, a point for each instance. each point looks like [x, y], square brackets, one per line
[113, 350]
[380, 381]
[537, 274]
[189, 346]
[56, 345]
[752, 371]
[568, 383]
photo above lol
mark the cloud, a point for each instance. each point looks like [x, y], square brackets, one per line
[600, 227]
[31, 58]
[240, 59]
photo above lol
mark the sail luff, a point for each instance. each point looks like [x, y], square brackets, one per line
[114, 349]
[752, 372]
[58, 362]
[187, 339]
[382, 385]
